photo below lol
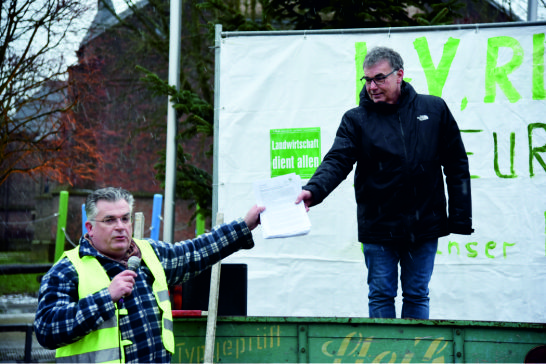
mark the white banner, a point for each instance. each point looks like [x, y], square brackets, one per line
[281, 100]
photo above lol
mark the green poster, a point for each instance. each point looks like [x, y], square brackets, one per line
[295, 151]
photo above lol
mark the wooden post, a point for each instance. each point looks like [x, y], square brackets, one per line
[213, 305]
[138, 231]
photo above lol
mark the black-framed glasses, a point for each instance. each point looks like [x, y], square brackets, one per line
[112, 220]
[378, 80]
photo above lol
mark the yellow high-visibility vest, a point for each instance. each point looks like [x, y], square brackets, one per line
[103, 345]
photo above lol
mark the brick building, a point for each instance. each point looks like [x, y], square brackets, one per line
[127, 125]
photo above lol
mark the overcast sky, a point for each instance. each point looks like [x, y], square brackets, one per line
[519, 7]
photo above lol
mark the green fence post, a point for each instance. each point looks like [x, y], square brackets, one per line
[61, 224]
[199, 223]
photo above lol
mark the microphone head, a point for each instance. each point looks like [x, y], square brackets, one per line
[133, 263]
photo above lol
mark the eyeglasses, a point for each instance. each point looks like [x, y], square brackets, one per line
[379, 80]
[111, 220]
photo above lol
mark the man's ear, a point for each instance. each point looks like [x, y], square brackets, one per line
[89, 227]
[400, 75]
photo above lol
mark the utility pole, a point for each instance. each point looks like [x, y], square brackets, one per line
[175, 33]
[532, 9]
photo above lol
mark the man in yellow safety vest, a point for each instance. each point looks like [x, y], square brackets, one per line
[93, 309]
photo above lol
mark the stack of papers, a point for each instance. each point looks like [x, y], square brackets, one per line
[282, 218]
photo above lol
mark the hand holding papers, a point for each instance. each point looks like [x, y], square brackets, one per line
[282, 217]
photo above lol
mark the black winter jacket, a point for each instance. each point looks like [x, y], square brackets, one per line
[399, 151]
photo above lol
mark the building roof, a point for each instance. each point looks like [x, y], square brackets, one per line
[104, 18]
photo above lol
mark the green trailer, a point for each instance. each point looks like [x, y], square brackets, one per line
[359, 340]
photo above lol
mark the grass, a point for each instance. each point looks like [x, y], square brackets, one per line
[19, 283]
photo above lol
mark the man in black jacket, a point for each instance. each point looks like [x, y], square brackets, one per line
[400, 141]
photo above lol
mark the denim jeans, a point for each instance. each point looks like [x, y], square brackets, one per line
[416, 263]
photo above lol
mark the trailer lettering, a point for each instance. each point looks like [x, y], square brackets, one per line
[267, 337]
[348, 350]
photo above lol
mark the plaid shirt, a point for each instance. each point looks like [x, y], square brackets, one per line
[63, 318]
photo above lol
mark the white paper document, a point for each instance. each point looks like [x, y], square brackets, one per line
[282, 217]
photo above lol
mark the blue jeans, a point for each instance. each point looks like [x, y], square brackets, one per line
[416, 265]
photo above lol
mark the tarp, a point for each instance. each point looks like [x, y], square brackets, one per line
[281, 98]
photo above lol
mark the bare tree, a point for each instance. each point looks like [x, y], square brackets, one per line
[38, 135]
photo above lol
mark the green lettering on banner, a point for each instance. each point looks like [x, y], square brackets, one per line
[471, 252]
[539, 92]
[499, 74]
[504, 247]
[360, 53]
[451, 244]
[470, 153]
[490, 246]
[472, 247]
[464, 103]
[295, 151]
[496, 156]
[436, 77]
[534, 151]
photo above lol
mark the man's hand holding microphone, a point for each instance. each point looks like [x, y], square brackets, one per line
[122, 284]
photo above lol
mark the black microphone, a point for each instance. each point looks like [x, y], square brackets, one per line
[132, 264]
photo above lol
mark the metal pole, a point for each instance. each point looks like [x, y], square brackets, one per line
[532, 9]
[217, 43]
[174, 80]
[28, 343]
[363, 31]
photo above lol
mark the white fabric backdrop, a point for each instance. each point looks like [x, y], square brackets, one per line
[309, 80]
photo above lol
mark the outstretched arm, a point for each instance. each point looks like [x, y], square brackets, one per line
[252, 218]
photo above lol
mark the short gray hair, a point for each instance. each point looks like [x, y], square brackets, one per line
[111, 194]
[378, 54]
